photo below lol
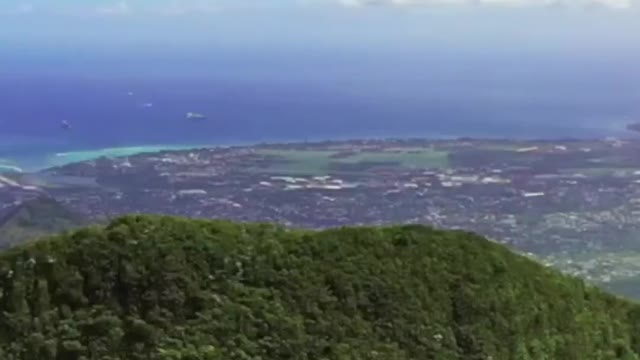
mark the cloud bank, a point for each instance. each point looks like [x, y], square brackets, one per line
[19, 9]
[610, 4]
[161, 8]
[119, 8]
[179, 8]
[195, 7]
[113, 8]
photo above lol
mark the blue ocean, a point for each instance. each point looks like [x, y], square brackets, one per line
[136, 104]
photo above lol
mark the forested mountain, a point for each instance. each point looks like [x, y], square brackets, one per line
[35, 218]
[166, 288]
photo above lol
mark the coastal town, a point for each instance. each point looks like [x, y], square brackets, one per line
[555, 200]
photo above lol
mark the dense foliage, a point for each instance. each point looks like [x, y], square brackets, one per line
[165, 288]
[36, 218]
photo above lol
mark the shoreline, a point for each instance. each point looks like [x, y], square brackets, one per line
[42, 162]
[10, 168]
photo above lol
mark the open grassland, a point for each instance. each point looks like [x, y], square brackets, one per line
[308, 162]
[425, 158]
[290, 162]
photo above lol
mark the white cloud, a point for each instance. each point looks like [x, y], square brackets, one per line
[521, 3]
[120, 8]
[179, 8]
[616, 4]
[162, 8]
[25, 9]
[20, 9]
[611, 4]
[191, 7]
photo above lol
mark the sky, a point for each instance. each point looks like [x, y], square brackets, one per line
[557, 57]
[326, 40]
[347, 38]
[608, 27]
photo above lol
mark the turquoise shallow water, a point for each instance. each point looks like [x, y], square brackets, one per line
[9, 167]
[34, 162]
[76, 156]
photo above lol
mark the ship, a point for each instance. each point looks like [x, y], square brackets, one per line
[195, 116]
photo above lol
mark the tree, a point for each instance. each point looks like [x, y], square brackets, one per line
[160, 288]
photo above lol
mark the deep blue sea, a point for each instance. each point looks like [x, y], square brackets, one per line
[279, 99]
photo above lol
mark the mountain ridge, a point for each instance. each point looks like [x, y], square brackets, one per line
[153, 287]
[36, 217]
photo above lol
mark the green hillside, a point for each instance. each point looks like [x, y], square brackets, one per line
[166, 288]
[36, 218]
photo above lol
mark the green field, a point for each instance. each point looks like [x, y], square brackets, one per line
[299, 162]
[321, 162]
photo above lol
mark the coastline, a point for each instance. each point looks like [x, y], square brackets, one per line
[34, 163]
[63, 158]
[39, 162]
[10, 168]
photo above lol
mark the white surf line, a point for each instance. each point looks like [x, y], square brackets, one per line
[11, 167]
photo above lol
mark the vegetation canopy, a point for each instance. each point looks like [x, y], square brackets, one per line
[166, 288]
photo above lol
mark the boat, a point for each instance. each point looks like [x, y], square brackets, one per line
[195, 116]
